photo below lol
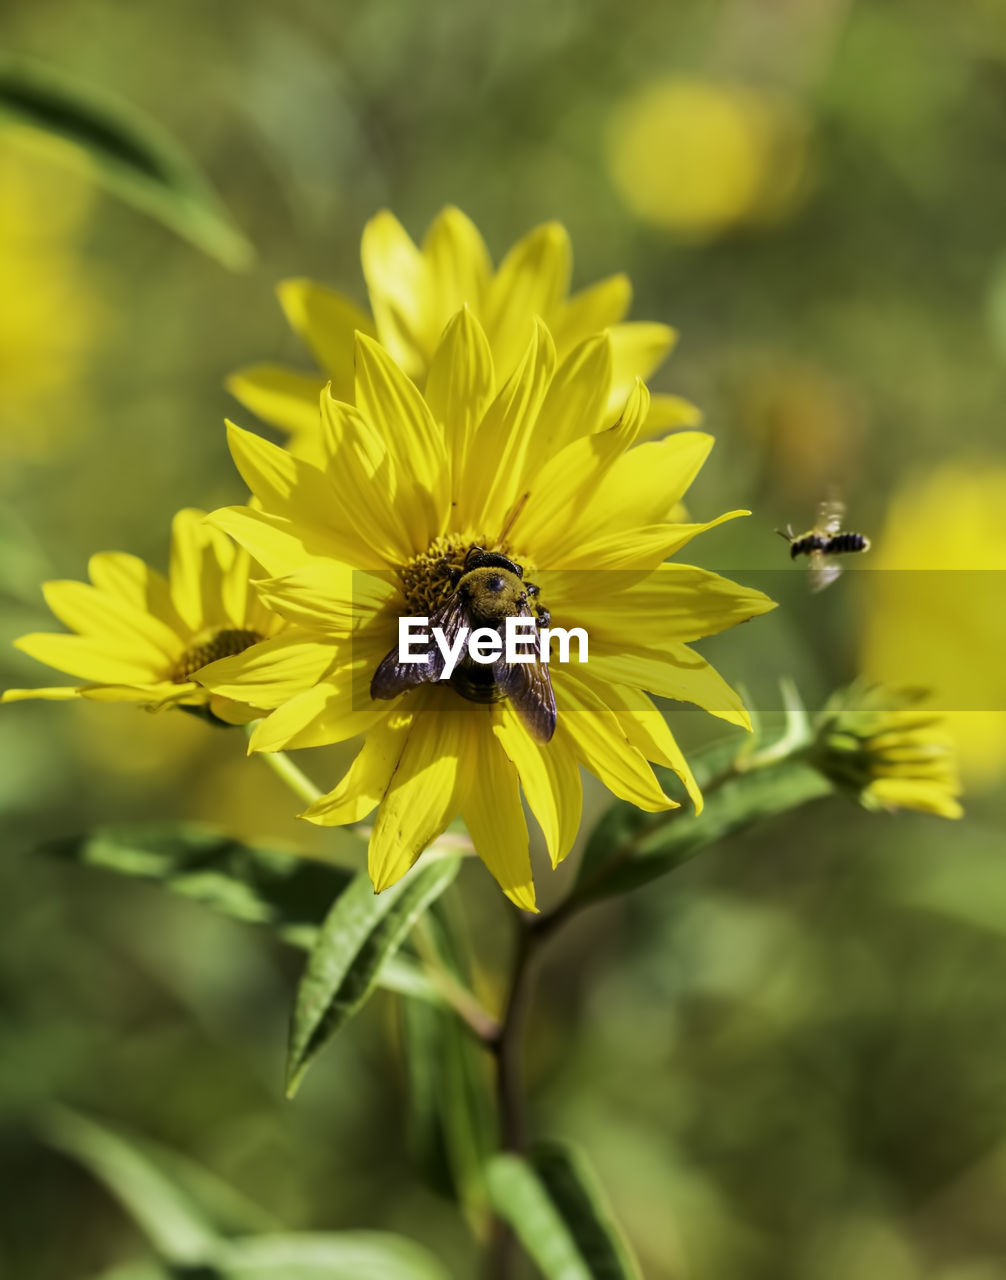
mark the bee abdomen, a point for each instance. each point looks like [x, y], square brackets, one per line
[844, 542]
[476, 681]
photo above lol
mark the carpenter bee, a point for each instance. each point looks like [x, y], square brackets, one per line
[824, 541]
[489, 589]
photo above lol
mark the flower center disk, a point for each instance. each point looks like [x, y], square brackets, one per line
[225, 642]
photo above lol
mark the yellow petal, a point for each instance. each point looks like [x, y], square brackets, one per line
[493, 813]
[114, 622]
[330, 597]
[504, 436]
[532, 280]
[134, 580]
[576, 399]
[459, 263]
[647, 730]
[293, 489]
[398, 280]
[402, 419]
[670, 413]
[602, 745]
[677, 602]
[422, 795]
[285, 398]
[338, 708]
[550, 776]
[673, 672]
[590, 311]
[58, 693]
[361, 472]
[268, 674]
[460, 386]
[571, 481]
[364, 785]
[634, 550]
[200, 555]
[637, 348]
[646, 483]
[86, 659]
[326, 321]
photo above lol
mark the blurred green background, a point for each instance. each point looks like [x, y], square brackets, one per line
[785, 1061]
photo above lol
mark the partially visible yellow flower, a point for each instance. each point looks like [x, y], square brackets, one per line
[936, 605]
[529, 465]
[135, 636]
[879, 744]
[415, 290]
[699, 158]
[51, 314]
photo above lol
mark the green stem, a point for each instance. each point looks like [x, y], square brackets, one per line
[502, 1255]
[479, 1021]
[298, 782]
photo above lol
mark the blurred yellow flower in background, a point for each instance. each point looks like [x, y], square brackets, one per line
[415, 290]
[528, 465]
[698, 158]
[52, 313]
[881, 745]
[936, 605]
[136, 636]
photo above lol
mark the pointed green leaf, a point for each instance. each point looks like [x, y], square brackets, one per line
[629, 848]
[288, 893]
[555, 1208]
[178, 1228]
[357, 1255]
[451, 1118]
[360, 932]
[126, 151]
[575, 1192]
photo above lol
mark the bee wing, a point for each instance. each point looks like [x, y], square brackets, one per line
[393, 677]
[823, 570]
[529, 687]
[830, 514]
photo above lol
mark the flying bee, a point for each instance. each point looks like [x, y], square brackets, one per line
[823, 542]
[484, 593]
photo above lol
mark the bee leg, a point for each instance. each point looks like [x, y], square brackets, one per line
[532, 589]
[544, 618]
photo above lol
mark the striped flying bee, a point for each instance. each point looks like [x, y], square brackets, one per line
[487, 590]
[823, 542]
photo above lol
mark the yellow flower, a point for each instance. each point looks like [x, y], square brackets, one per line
[527, 466]
[936, 609]
[699, 158]
[414, 291]
[880, 745]
[135, 636]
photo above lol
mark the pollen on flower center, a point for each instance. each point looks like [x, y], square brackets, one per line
[426, 579]
[220, 642]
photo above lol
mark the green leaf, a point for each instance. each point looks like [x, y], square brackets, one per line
[556, 1210]
[354, 1255]
[574, 1190]
[360, 932]
[629, 848]
[175, 1224]
[137, 1271]
[126, 151]
[452, 1127]
[288, 893]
